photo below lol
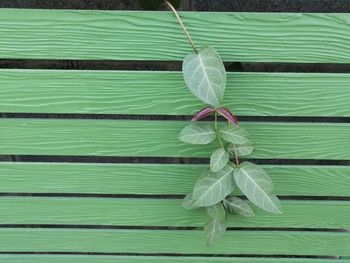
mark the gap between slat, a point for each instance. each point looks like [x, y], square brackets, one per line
[310, 119]
[174, 228]
[162, 196]
[165, 254]
[148, 65]
[159, 160]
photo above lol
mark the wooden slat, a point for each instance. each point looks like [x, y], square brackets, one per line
[66, 34]
[172, 241]
[135, 92]
[163, 212]
[300, 180]
[160, 138]
[153, 259]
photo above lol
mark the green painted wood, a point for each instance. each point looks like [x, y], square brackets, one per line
[160, 138]
[67, 34]
[174, 241]
[300, 180]
[112, 92]
[163, 212]
[152, 259]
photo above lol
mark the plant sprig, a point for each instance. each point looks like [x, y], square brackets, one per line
[205, 76]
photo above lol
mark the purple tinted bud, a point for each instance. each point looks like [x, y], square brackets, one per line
[228, 115]
[203, 113]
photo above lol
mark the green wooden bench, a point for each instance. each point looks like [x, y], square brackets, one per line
[81, 212]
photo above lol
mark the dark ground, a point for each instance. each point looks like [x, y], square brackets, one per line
[194, 5]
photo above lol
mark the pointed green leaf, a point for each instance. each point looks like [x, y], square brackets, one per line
[241, 150]
[213, 188]
[216, 211]
[198, 133]
[214, 229]
[205, 76]
[235, 135]
[256, 184]
[237, 205]
[188, 202]
[218, 159]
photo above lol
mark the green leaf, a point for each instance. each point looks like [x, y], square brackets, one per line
[205, 76]
[241, 150]
[235, 135]
[244, 150]
[214, 229]
[198, 133]
[237, 205]
[218, 159]
[188, 202]
[213, 188]
[216, 211]
[256, 184]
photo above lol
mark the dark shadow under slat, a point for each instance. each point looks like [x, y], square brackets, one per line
[175, 228]
[319, 6]
[172, 117]
[166, 255]
[169, 65]
[155, 160]
[162, 196]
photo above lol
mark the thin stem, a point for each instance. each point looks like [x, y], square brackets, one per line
[217, 130]
[236, 156]
[234, 149]
[182, 26]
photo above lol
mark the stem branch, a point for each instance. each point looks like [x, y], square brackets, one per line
[182, 26]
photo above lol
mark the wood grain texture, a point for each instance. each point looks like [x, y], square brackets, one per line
[67, 34]
[153, 259]
[173, 179]
[172, 241]
[135, 92]
[163, 212]
[160, 138]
